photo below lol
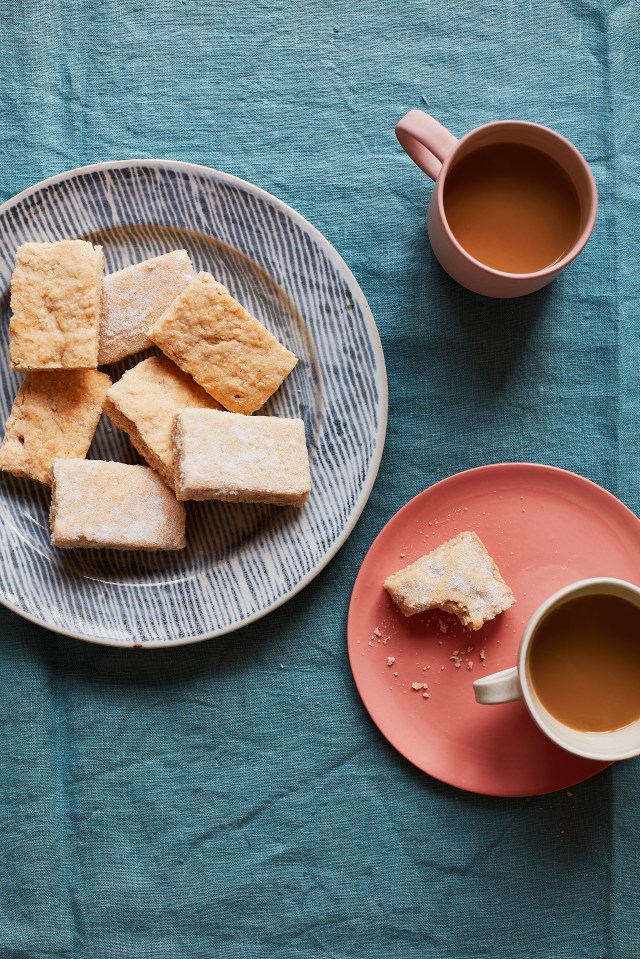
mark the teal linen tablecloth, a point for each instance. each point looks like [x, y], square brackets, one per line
[232, 799]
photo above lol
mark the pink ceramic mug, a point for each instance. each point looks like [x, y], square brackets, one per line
[436, 151]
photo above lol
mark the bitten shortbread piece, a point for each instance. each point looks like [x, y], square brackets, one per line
[261, 459]
[111, 505]
[145, 402]
[226, 350]
[55, 300]
[54, 416]
[134, 298]
[458, 577]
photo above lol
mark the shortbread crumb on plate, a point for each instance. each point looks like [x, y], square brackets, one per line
[54, 416]
[458, 577]
[226, 350]
[251, 459]
[134, 298]
[95, 504]
[145, 402]
[55, 299]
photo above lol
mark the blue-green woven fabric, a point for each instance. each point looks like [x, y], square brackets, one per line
[232, 800]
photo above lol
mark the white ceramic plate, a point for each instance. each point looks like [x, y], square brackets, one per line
[241, 560]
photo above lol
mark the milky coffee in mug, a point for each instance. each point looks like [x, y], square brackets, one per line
[512, 207]
[584, 663]
[513, 203]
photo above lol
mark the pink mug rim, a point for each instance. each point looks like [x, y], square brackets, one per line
[581, 239]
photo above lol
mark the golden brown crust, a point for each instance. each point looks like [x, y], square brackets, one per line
[145, 402]
[134, 298]
[100, 505]
[241, 459]
[54, 416]
[55, 300]
[226, 350]
[458, 577]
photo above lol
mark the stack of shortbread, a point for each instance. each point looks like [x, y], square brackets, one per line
[186, 412]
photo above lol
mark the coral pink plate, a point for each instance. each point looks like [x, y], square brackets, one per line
[545, 528]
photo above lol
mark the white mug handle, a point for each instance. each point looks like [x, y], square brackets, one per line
[502, 687]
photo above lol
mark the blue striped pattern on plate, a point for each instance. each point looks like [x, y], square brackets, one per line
[241, 560]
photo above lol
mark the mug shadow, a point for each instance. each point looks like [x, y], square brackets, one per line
[483, 338]
[562, 826]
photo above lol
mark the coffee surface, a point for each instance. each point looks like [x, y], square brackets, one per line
[512, 207]
[584, 663]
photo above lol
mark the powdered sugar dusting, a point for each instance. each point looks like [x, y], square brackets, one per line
[232, 456]
[459, 577]
[134, 298]
[100, 504]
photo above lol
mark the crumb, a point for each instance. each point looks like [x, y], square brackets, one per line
[469, 649]
[401, 555]
[455, 659]
[395, 674]
[469, 664]
[391, 660]
[569, 793]
[439, 642]
[482, 656]
[418, 686]
[281, 665]
[425, 695]
[441, 668]
[377, 632]
[442, 625]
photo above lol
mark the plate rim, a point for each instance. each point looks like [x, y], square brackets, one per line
[376, 344]
[484, 469]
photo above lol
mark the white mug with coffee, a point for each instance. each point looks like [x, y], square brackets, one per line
[578, 670]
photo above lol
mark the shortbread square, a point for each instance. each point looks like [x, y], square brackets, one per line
[145, 402]
[226, 456]
[55, 300]
[458, 577]
[54, 416]
[226, 350]
[96, 505]
[134, 298]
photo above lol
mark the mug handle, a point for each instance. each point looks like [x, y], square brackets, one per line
[502, 687]
[425, 140]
